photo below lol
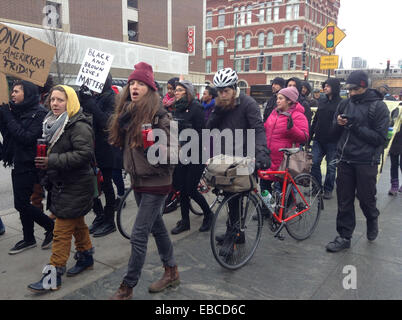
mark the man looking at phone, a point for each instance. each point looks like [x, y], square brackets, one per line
[361, 124]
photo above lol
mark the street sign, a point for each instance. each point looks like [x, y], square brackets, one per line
[329, 62]
[330, 36]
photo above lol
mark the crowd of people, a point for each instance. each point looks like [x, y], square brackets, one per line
[85, 132]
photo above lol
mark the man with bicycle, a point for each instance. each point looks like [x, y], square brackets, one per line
[236, 111]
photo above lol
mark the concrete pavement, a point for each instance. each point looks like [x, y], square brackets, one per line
[279, 269]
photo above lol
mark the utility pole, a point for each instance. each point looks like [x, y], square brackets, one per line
[235, 41]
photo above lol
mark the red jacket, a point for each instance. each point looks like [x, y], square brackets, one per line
[278, 136]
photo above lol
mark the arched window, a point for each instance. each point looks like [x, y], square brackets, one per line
[261, 38]
[221, 48]
[243, 86]
[247, 41]
[239, 42]
[270, 39]
[295, 36]
[287, 38]
[209, 49]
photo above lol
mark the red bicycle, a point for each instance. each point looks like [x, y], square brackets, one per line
[237, 225]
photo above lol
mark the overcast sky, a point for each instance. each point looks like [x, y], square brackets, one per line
[373, 31]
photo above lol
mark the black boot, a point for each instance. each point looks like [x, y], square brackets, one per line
[84, 261]
[206, 223]
[108, 225]
[44, 286]
[181, 226]
[99, 215]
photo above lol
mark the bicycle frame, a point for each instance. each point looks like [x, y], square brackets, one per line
[264, 174]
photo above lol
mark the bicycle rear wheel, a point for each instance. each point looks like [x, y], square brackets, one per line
[234, 239]
[126, 214]
[208, 195]
[302, 226]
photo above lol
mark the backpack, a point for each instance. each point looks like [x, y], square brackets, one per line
[230, 174]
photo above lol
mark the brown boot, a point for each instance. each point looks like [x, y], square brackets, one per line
[170, 279]
[124, 293]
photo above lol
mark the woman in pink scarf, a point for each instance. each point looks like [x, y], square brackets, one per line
[169, 99]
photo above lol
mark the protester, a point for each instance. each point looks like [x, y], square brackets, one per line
[305, 92]
[324, 142]
[21, 126]
[101, 107]
[170, 98]
[277, 84]
[70, 182]
[384, 90]
[208, 101]
[316, 94]
[296, 82]
[188, 112]
[361, 126]
[234, 110]
[139, 105]
[395, 153]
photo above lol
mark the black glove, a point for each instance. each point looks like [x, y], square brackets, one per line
[84, 93]
[5, 110]
[290, 123]
[262, 158]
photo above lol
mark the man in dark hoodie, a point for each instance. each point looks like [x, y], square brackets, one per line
[296, 82]
[277, 84]
[101, 107]
[305, 92]
[21, 125]
[361, 124]
[320, 132]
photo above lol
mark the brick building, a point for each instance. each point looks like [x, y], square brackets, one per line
[268, 38]
[154, 31]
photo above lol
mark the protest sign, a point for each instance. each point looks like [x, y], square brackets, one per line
[24, 57]
[3, 89]
[94, 69]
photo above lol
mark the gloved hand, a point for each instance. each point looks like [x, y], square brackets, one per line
[5, 110]
[84, 93]
[262, 158]
[289, 123]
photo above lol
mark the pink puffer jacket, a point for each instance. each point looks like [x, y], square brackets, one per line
[278, 136]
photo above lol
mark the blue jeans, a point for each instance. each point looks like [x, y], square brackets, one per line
[329, 151]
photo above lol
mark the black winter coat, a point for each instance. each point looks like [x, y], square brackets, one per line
[21, 127]
[396, 147]
[322, 122]
[362, 141]
[69, 169]
[269, 106]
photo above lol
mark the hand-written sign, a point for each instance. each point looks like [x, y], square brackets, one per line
[94, 69]
[24, 57]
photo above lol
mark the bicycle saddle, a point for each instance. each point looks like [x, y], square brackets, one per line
[290, 150]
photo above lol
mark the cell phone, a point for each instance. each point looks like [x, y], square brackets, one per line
[343, 116]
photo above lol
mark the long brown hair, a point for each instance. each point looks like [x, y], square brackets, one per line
[139, 113]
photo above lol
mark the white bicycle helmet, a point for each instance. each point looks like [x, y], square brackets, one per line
[225, 78]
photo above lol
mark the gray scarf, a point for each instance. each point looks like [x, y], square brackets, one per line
[53, 127]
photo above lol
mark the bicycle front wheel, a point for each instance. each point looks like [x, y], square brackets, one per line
[302, 226]
[235, 235]
[126, 214]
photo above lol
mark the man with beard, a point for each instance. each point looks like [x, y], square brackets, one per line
[234, 110]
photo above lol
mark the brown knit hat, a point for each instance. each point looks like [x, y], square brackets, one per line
[143, 72]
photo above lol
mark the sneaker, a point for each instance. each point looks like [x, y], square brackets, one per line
[47, 243]
[372, 229]
[338, 244]
[327, 195]
[104, 229]
[181, 226]
[22, 246]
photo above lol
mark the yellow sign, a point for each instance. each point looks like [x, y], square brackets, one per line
[330, 36]
[329, 62]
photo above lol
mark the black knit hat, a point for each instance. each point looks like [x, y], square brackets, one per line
[357, 79]
[280, 81]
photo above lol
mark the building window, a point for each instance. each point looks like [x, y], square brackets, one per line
[221, 48]
[247, 41]
[268, 63]
[293, 61]
[209, 20]
[287, 38]
[261, 38]
[260, 63]
[270, 39]
[238, 65]
[249, 14]
[208, 66]
[242, 16]
[269, 14]
[307, 12]
[132, 4]
[243, 87]
[289, 12]
[220, 64]
[261, 15]
[209, 49]
[236, 16]
[247, 65]
[221, 18]
[239, 42]
[295, 36]
[276, 13]
[296, 9]
[285, 62]
[132, 31]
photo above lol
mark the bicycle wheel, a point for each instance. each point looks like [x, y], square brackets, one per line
[234, 240]
[302, 226]
[209, 196]
[126, 214]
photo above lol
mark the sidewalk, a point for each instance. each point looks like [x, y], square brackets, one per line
[279, 269]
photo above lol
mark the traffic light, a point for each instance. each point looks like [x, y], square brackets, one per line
[304, 57]
[388, 64]
[330, 43]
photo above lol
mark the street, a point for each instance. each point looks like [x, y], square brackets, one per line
[279, 269]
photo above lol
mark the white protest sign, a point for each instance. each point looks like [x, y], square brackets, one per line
[94, 69]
